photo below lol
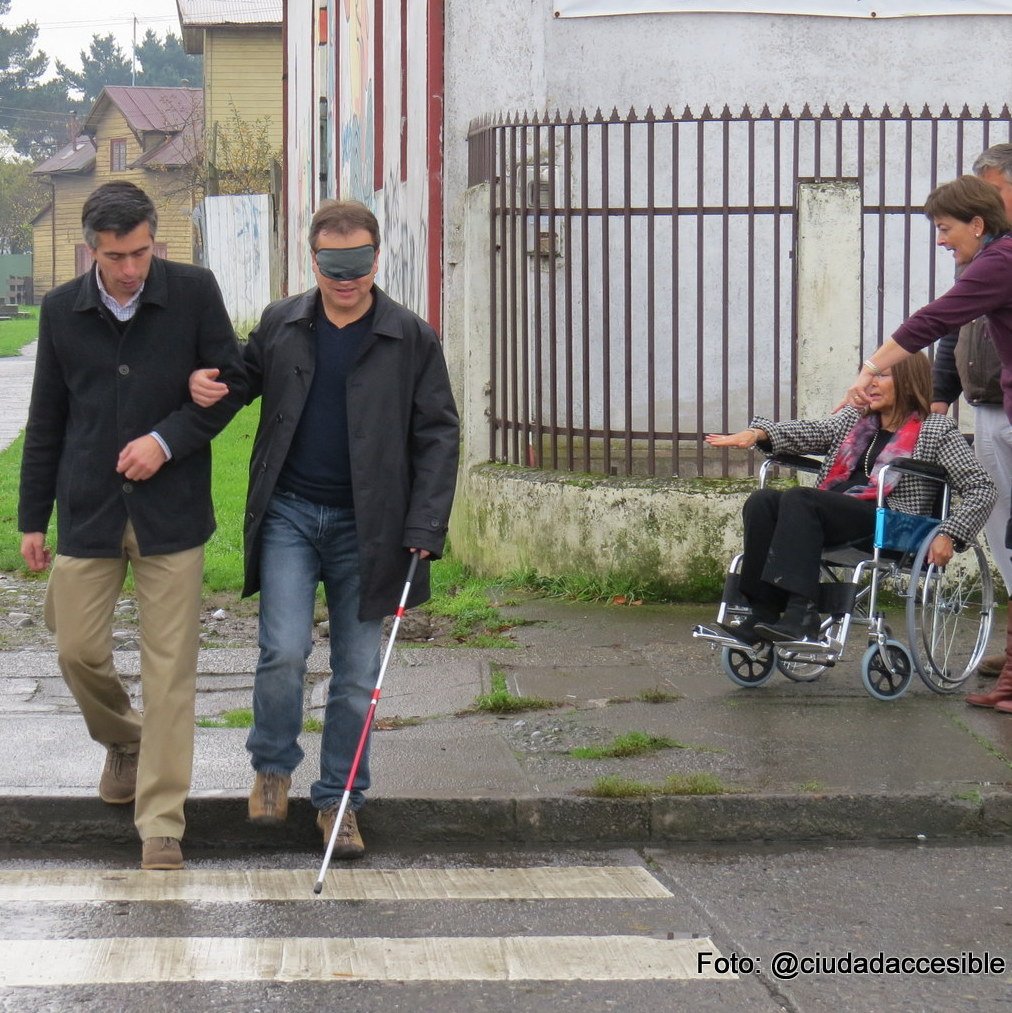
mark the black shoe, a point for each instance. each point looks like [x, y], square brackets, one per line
[746, 631]
[797, 624]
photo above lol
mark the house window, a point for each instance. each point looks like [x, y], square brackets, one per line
[117, 154]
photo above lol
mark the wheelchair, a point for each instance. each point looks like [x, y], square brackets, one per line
[947, 610]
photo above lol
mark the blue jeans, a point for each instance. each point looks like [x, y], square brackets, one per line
[302, 544]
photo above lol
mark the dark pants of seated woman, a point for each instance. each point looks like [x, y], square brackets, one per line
[785, 534]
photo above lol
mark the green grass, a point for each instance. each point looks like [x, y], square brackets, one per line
[657, 695]
[459, 595]
[630, 744]
[242, 717]
[15, 334]
[587, 587]
[676, 784]
[499, 700]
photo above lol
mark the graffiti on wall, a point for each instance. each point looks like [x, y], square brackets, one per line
[356, 95]
[406, 241]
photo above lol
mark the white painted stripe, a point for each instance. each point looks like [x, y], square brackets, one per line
[61, 962]
[540, 883]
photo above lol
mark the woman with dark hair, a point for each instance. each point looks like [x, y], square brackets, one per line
[970, 221]
[786, 530]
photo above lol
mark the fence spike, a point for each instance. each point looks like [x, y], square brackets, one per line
[886, 113]
[946, 113]
[845, 113]
[964, 113]
[649, 116]
[985, 112]
[905, 113]
[687, 114]
[806, 113]
[706, 114]
[785, 113]
[614, 118]
[925, 112]
[584, 118]
[725, 113]
[598, 117]
[558, 118]
[668, 115]
[764, 113]
[746, 113]
[633, 118]
[826, 113]
[1004, 114]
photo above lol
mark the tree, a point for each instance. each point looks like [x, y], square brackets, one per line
[33, 114]
[22, 197]
[166, 63]
[103, 64]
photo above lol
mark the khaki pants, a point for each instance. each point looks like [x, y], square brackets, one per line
[80, 600]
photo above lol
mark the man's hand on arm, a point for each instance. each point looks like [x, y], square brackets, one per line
[140, 459]
[205, 387]
[34, 550]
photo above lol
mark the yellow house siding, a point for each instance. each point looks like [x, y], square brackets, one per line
[167, 188]
[243, 67]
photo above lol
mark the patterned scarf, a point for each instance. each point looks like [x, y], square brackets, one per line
[857, 441]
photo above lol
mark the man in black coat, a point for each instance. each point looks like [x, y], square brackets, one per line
[353, 469]
[114, 441]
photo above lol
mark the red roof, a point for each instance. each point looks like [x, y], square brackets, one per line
[77, 156]
[163, 110]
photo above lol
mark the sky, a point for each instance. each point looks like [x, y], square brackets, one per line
[66, 26]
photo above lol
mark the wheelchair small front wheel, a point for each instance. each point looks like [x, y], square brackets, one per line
[887, 681]
[748, 670]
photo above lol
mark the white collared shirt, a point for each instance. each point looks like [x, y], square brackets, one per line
[123, 313]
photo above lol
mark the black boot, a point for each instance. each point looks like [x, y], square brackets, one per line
[800, 621]
[745, 631]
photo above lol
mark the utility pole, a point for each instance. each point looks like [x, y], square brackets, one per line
[133, 57]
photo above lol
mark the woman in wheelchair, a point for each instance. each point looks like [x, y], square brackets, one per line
[786, 530]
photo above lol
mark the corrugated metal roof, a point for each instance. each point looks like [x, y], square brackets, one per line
[180, 149]
[166, 110]
[73, 157]
[209, 13]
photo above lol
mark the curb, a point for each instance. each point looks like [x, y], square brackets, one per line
[217, 820]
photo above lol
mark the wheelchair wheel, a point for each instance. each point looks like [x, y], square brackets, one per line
[747, 671]
[798, 670]
[887, 682]
[948, 617]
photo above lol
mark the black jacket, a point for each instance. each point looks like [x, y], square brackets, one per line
[403, 437]
[96, 389]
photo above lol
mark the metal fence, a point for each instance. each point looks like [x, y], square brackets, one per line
[642, 285]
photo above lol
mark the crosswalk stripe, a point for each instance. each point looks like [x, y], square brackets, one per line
[230, 886]
[53, 963]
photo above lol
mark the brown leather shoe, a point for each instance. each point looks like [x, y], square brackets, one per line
[161, 853]
[118, 783]
[349, 843]
[991, 666]
[268, 799]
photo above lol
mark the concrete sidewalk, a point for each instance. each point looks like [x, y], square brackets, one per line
[805, 761]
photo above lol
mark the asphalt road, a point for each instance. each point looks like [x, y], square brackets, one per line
[515, 930]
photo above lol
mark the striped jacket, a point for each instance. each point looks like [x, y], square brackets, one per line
[939, 442]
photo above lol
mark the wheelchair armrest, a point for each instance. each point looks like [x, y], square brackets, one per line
[925, 469]
[795, 461]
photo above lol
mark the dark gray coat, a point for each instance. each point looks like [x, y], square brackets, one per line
[96, 390]
[403, 437]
